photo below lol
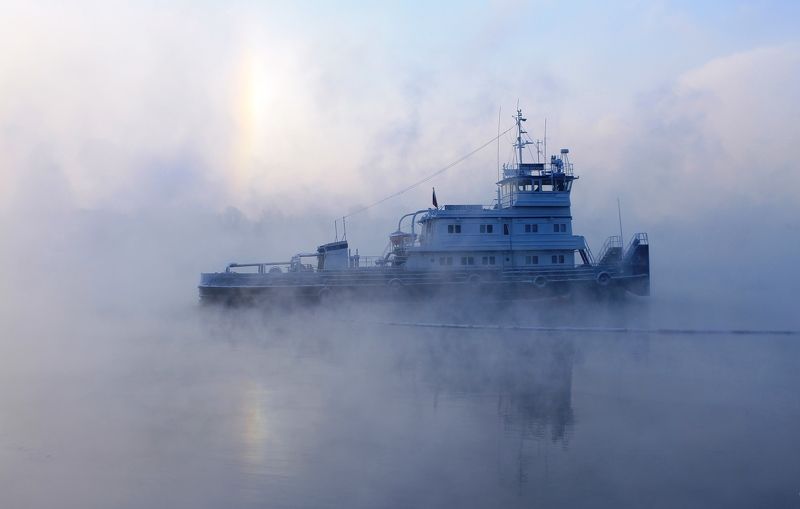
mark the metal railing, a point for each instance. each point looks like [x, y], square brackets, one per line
[614, 242]
[547, 170]
[262, 268]
[638, 239]
[361, 261]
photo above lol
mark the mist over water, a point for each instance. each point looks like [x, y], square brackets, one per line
[142, 145]
[118, 390]
[154, 403]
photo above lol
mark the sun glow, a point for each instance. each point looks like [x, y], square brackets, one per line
[265, 103]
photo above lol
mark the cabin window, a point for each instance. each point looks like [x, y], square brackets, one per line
[560, 258]
[531, 260]
[445, 260]
[554, 259]
[531, 228]
[505, 229]
[563, 228]
[555, 228]
[488, 260]
[453, 228]
[487, 228]
[467, 260]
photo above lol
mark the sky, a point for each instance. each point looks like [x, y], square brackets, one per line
[173, 138]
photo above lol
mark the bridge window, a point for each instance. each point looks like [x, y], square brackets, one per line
[467, 260]
[453, 228]
[487, 228]
[445, 260]
[488, 260]
[531, 260]
[531, 228]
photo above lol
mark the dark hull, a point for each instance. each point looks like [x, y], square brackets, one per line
[386, 285]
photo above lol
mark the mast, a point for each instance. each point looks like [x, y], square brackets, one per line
[520, 142]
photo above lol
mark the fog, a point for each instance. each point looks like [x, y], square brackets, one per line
[142, 145]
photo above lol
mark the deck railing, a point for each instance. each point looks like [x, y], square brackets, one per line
[614, 242]
[639, 239]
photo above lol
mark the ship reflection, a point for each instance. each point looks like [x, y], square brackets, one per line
[527, 380]
[531, 379]
[351, 409]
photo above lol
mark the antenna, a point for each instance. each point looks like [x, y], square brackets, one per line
[545, 140]
[336, 229]
[499, 171]
[344, 227]
[619, 214]
[520, 143]
[499, 111]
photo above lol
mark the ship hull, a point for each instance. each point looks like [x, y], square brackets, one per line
[387, 284]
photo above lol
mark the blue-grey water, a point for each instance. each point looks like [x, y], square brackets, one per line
[203, 408]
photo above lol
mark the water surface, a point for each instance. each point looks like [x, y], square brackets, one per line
[242, 409]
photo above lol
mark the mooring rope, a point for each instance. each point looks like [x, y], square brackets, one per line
[432, 175]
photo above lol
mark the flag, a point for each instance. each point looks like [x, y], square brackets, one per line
[435, 203]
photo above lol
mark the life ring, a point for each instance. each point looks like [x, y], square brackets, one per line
[603, 279]
[540, 281]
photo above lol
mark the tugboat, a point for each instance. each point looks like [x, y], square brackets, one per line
[521, 246]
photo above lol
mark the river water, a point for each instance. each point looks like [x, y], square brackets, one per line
[208, 408]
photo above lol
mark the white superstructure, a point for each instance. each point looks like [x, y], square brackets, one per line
[529, 225]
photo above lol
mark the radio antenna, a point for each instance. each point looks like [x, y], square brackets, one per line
[499, 111]
[545, 140]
